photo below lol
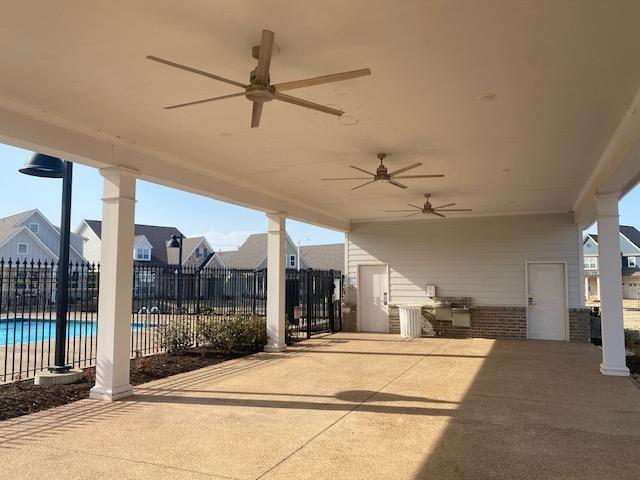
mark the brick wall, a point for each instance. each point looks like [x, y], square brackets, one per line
[579, 325]
[486, 321]
[349, 320]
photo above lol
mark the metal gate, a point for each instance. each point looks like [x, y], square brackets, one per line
[313, 299]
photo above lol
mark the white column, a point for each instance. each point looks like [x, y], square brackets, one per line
[585, 281]
[276, 242]
[598, 287]
[586, 288]
[116, 279]
[610, 280]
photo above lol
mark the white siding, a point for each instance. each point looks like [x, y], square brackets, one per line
[92, 245]
[483, 258]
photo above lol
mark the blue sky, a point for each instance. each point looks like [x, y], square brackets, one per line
[226, 226]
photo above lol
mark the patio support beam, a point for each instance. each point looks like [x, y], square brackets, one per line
[610, 268]
[276, 242]
[116, 283]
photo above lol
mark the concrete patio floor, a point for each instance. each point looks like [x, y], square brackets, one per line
[353, 406]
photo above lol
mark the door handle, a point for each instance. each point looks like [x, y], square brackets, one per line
[384, 298]
[531, 301]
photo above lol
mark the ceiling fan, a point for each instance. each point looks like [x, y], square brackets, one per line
[259, 88]
[430, 210]
[382, 175]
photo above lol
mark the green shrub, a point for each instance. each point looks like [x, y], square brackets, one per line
[632, 339]
[174, 337]
[240, 333]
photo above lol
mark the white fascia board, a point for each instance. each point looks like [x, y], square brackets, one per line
[37, 131]
[618, 169]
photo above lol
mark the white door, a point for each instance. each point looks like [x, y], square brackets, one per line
[547, 309]
[373, 298]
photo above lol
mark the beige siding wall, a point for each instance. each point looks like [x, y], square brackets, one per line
[483, 258]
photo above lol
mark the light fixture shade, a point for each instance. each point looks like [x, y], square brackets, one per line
[174, 242]
[41, 165]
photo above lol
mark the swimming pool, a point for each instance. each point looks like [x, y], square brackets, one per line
[25, 330]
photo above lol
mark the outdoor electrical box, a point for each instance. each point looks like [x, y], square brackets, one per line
[430, 291]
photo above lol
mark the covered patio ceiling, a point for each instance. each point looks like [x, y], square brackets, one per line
[75, 81]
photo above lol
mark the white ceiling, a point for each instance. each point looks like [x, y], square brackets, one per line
[564, 73]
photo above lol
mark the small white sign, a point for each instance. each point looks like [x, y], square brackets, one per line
[430, 290]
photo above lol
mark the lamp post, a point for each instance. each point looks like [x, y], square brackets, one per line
[176, 242]
[40, 165]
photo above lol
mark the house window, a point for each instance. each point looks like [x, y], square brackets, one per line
[200, 252]
[292, 261]
[34, 227]
[143, 254]
[23, 249]
[632, 262]
[590, 263]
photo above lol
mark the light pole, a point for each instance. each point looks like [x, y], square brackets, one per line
[40, 165]
[176, 242]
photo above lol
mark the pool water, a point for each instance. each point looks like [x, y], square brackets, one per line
[24, 330]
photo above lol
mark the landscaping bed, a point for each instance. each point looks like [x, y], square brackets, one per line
[23, 398]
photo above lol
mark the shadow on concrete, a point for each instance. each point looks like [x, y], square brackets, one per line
[40, 426]
[528, 416]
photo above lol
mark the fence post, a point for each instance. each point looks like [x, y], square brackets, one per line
[340, 293]
[309, 301]
[331, 305]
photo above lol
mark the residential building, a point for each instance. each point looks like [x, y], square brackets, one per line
[630, 262]
[150, 245]
[29, 235]
[252, 254]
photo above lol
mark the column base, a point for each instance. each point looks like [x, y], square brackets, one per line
[275, 348]
[101, 393]
[615, 370]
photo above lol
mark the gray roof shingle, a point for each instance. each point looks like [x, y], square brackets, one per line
[158, 238]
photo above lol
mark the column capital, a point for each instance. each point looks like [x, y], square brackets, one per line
[276, 221]
[118, 170]
[607, 204]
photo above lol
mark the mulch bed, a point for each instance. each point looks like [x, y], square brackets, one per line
[23, 398]
[633, 363]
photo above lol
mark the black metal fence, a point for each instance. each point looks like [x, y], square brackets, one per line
[161, 296]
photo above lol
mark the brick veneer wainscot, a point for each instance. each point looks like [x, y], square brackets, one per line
[493, 322]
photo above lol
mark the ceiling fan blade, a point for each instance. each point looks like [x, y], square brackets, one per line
[414, 206]
[397, 184]
[264, 57]
[444, 206]
[362, 170]
[420, 176]
[345, 178]
[205, 100]
[456, 210]
[438, 214]
[196, 71]
[305, 103]
[404, 169]
[364, 184]
[411, 215]
[334, 77]
[256, 113]
[391, 211]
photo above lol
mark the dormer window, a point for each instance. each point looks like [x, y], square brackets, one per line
[35, 228]
[143, 254]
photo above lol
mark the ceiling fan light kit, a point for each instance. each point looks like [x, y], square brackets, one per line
[259, 89]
